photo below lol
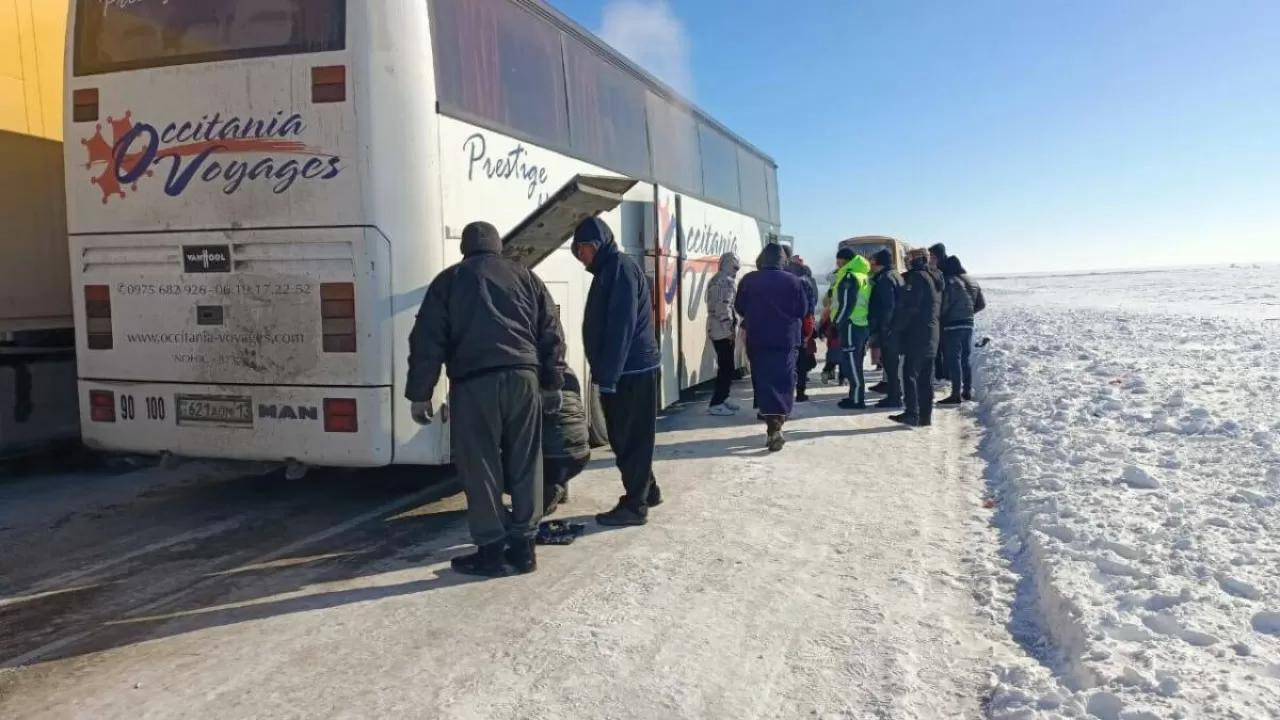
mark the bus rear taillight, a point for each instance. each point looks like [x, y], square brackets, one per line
[102, 406]
[329, 84]
[340, 415]
[97, 317]
[84, 105]
[338, 317]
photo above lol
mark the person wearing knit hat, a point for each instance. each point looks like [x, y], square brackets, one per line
[885, 286]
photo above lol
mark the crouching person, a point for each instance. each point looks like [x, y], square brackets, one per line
[566, 449]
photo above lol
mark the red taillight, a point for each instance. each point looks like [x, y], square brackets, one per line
[340, 415]
[338, 317]
[97, 317]
[329, 84]
[84, 105]
[102, 406]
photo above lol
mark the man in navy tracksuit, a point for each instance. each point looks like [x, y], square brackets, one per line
[622, 350]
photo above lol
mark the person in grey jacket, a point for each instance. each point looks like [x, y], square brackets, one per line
[961, 299]
[722, 328]
[565, 446]
[492, 323]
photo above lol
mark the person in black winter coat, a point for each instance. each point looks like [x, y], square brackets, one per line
[916, 320]
[622, 349]
[937, 257]
[961, 300]
[492, 323]
[566, 449]
[886, 285]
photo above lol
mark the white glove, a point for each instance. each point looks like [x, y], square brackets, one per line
[422, 412]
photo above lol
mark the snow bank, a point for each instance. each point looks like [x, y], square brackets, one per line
[1134, 455]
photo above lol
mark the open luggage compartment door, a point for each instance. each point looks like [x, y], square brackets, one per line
[547, 228]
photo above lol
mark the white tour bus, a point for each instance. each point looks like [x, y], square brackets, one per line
[259, 192]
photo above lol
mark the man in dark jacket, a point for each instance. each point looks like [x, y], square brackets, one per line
[565, 446]
[622, 349]
[806, 359]
[938, 256]
[492, 323]
[885, 287]
[915, 323]
[961, 300]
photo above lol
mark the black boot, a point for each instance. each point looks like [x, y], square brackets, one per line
[776, 440]
[654, 498]
[905, 419]
[486, 561]
[520, 555]
[950, 400]
[623, 515]
[966, 395]
[802, 396]
[880, 387]
[847, 404]
[889, 404]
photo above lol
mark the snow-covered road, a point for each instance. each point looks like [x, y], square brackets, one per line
[849, 576]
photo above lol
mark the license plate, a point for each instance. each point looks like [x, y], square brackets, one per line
[214, 410]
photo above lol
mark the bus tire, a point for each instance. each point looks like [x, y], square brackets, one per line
[597, 431]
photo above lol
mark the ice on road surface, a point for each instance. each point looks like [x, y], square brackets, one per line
[1134, 422]
[848, 576]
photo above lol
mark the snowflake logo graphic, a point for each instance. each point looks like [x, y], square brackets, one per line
[102, 153]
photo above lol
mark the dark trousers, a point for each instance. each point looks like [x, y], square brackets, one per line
[559, 471]
[724, 370]
[940, 359]
[891, 359]
[854, 354]
[805, 361]
[917, 385]
[496, 434]
[959, 347]
[631, 415]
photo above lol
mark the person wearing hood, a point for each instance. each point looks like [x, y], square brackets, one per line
[621, 344]
[915, 322]
[851, 291]
[492, 323]
[807, 358]
[773, 304]
[961, 300]
[938, 258]
[722, 328]
[885, 286]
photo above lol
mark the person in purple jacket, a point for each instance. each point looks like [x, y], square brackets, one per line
[772, 304]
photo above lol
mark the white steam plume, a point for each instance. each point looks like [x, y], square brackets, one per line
[651, 36]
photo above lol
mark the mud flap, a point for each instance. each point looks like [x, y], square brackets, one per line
[547, 228]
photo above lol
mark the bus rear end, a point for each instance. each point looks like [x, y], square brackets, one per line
[227, 287]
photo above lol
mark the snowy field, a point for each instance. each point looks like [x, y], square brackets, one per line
[1132, 430]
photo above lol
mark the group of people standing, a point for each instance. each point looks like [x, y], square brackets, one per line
[909, 322]
[518, 414]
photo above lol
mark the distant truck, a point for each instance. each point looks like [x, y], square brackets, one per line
[38, 399]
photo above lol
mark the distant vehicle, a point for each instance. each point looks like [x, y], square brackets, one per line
[260, 192]
[868, 245]
[37, 342]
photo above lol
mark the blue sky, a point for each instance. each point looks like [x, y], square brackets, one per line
[1028, 135]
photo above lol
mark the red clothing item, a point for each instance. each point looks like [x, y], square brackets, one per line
[806, 332]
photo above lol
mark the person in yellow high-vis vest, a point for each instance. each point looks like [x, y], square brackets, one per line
[851, 293]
